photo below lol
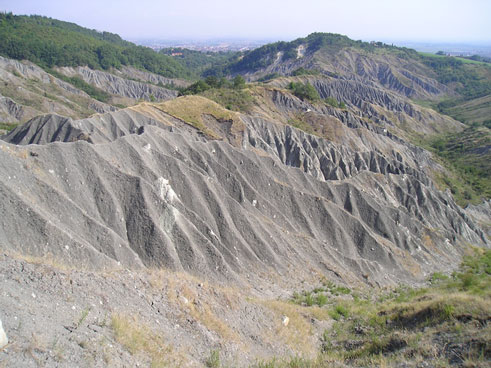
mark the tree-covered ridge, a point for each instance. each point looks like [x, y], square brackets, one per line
[473, 80]
[49, 42]
[264, 56]
[67, 26]
[198, 61]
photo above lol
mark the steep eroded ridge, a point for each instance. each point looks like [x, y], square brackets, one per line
[152, 191]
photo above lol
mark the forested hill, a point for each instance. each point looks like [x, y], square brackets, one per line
[200, 61]
[50, 42]
[266, 55]
[470, 79]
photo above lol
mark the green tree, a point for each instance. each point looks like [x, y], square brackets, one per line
[239, 82]
[212, 81]
[304, 91]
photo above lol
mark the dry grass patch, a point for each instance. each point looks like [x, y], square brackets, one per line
[202, 311]
[297, 334]
[48, 260]
[151, 111]
[138, 338]
[198, 299]
[192, 108]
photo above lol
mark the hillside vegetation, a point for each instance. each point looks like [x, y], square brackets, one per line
[467, 154]
[452, 86]
[469, 79]
[264, 56]
[226, 223]
[443, 324]
[472, 81]
[197, 61]
[50, 42]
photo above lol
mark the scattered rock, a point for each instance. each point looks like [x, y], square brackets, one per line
[285, 321]
[3, 337]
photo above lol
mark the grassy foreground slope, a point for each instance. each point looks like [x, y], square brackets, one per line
[443, 324]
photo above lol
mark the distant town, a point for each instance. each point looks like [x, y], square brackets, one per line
[450, 49]
[205, 45]
[218, 45]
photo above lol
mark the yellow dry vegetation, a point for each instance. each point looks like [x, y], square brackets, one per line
[297, 334]
[192, 109]
[48, 260]
[151, 111]
[182, 290]
[138, 338]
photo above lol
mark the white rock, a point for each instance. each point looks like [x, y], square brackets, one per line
[166, 191]
[3, 336]
[285, 321]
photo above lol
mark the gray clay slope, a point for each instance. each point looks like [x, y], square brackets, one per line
[120, 86]
[125, 190]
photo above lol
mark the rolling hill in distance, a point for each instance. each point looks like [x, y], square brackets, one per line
[314, 203]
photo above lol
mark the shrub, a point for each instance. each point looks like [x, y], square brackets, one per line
[213, 360]
[302, 71]
[239, 82]
[304, 91]
[309, 300]
[338, 312]
[332, 102]
[321, 299]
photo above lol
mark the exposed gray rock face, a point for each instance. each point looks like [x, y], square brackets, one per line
[356, 93]
[29, 91]
[25, 69]
[166, 197]
[389, 72]
[481, 213]
[29, 70]
[402, 80]
[132, 73]
[10, 111]
[366, 102]
[325, 160]
[120, 86]
[96, 129]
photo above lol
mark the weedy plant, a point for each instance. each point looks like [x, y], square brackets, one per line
[408, 324]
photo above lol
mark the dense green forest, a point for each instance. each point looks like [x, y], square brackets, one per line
[198, 61]
[49, 42]
[471, 81]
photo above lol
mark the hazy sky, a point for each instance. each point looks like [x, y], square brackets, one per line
[404, 20]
